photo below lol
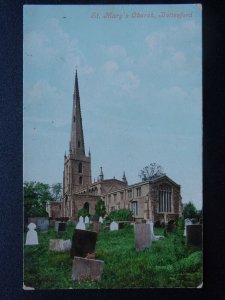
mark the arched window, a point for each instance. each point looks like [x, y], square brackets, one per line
[80, 180]
[86, 206]
[165, 198]
[80, 167]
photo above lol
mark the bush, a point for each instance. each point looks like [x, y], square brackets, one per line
[83, 212]
[120, 215]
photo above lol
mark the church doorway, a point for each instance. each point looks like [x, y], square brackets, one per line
[86, 206]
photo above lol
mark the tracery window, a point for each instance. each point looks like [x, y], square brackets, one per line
[165, 198]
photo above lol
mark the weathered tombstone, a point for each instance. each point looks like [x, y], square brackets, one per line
[32, 238]
[100, 220]
[83, 242]
[59, 245]
[186, 223]
[194, 235]
[87, 269]
[62, 227]
[142, 236]
[43, 224]
[114, 226]
[86, 220]
[81, 224]
[96, 226]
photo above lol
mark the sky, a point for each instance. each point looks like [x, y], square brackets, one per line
[140, 82]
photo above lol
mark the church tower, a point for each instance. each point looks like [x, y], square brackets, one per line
[77, 166]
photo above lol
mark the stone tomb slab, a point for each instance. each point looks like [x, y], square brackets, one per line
[87, 269]
[83, 243]
[143, 236]
[59, 245]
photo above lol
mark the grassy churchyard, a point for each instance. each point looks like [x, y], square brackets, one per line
[167, 263]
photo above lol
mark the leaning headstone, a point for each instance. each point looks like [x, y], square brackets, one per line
[100, 220]
[83, 242]
[194, 235]
[81, 224]
[96, 226]
[87, 269]
[59, 245]
[142, 236]
[114, 226]
[186, 223]
[32, 238]
[86, 220]
[43, 224]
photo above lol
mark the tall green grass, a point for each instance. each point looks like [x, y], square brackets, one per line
[168, 263]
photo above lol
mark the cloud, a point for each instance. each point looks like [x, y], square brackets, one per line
[115, 51]
[53, 47]
[128, 82]
[110, 66]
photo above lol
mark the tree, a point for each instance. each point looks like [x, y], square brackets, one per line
[100, 209]
[57, 191]
[36, 196]
[190, 211]
[151, 171]
[83, 212]
[123, 214]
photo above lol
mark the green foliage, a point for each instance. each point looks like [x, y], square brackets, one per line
[57, 191]
[160, 266]
[83, 212]
[100, 209]
[36, 195]
[120, 215]
[190, 211]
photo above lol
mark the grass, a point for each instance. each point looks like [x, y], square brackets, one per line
[168, 263]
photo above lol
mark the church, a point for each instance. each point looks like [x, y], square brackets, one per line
[158, 199]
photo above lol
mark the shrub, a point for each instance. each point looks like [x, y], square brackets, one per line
[83, 212]
[120, 215]
[100, 209]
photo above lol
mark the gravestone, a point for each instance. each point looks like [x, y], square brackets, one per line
[42, 224]
[59, 245]
[86, 220]
[32, 238]
[87, 269]
[81, 224]
[142, 236]
[100, 220]
[83, 242]
[60, 226]
[114, 226]
[194, 235]
[186, 223]
[96, 226]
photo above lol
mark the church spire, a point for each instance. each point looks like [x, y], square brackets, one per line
[77, 138]
[124, 177]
